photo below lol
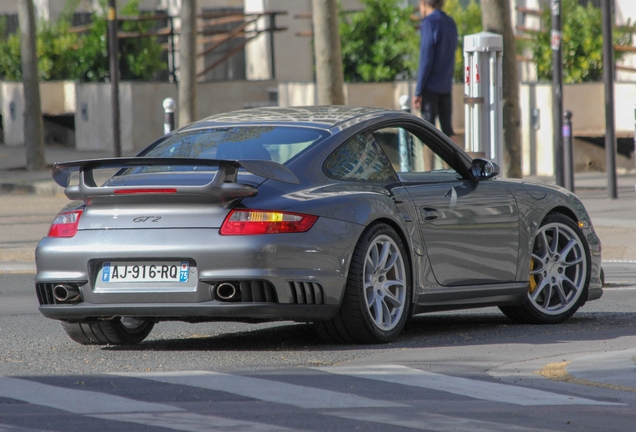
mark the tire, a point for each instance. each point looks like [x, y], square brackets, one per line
[559, 273]
[119, 331]
[377, 297]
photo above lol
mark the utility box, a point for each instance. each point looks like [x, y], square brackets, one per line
[483, 95]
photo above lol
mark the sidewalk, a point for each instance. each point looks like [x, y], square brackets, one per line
[614, 219]
[15, 178]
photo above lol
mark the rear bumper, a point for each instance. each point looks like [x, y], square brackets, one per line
[594, 293]
[314, 263]
[205, 311]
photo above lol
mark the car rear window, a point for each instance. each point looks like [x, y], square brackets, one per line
[276, 143]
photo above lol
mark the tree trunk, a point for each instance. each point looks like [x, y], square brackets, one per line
[33, 124]
[329, 73]
[187, 107]
[113, 70]
[496, 19]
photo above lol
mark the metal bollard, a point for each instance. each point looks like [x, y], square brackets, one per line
[568, 152]
[169, 106]
[404, 141]
[405, 102]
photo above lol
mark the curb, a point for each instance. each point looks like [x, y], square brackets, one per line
[50, 188]
[614, 368]
[17, 267]
[41, 188]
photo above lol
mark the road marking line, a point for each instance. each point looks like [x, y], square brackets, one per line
[619, 261]
[191, 422]
[434, 422]
[461, 386]
[9, 428]
[265, 390]
[74, 401]
[117, 408]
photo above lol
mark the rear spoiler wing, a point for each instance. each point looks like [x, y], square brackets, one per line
[223, 186]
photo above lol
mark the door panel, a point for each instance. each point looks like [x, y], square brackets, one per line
[470, 231]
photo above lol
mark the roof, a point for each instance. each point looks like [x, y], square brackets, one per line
[323, 116]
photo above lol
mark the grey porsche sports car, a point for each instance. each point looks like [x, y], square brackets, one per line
[353, 219]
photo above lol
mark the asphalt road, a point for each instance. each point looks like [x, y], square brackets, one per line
[453, 371]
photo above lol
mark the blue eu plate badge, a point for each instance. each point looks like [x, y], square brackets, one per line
[183, 276]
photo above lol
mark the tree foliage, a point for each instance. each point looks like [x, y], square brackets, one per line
[66, 55]
[379, 43]
[582, 43]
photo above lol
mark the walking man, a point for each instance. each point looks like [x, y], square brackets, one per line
[437, 65]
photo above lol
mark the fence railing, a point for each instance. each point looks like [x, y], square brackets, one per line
[220, 36]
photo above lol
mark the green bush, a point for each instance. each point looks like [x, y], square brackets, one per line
[57, 51]
[10, 58]
[379, 43]
[582, 43]
[63, 55]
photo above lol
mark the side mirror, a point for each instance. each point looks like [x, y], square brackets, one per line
[484, 169]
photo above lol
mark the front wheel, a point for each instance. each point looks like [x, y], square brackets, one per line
[377, 296]
[559, 273]
[118, 331]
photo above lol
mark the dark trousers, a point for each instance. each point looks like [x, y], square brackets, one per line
[440, 105]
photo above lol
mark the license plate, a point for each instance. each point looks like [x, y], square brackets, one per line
[126, 272]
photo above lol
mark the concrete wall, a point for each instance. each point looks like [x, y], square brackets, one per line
[586, 101]
[142, 113]
[385, 95]
[13, 113]
[141, 109]
[293, 53]
[58, 98]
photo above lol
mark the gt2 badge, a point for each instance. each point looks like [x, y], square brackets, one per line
[147, 219]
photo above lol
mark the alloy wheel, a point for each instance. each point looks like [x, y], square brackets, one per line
[384, 278]
[558, 269]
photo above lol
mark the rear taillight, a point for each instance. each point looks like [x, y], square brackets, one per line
[251, 222]
[65, 224]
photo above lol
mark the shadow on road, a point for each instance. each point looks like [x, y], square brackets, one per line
[424, 331]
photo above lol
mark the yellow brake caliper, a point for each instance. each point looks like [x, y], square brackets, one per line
[533, 282]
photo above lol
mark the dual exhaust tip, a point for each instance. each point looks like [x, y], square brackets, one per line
[66, 293]
[226, 291]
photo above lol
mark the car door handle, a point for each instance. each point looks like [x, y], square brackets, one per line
[430, 214]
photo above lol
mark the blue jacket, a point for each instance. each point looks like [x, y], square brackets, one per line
[437, 54]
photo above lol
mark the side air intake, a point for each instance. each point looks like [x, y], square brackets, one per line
[306, 293]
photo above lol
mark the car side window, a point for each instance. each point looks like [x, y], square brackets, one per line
[411, 158]
[360, 159]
